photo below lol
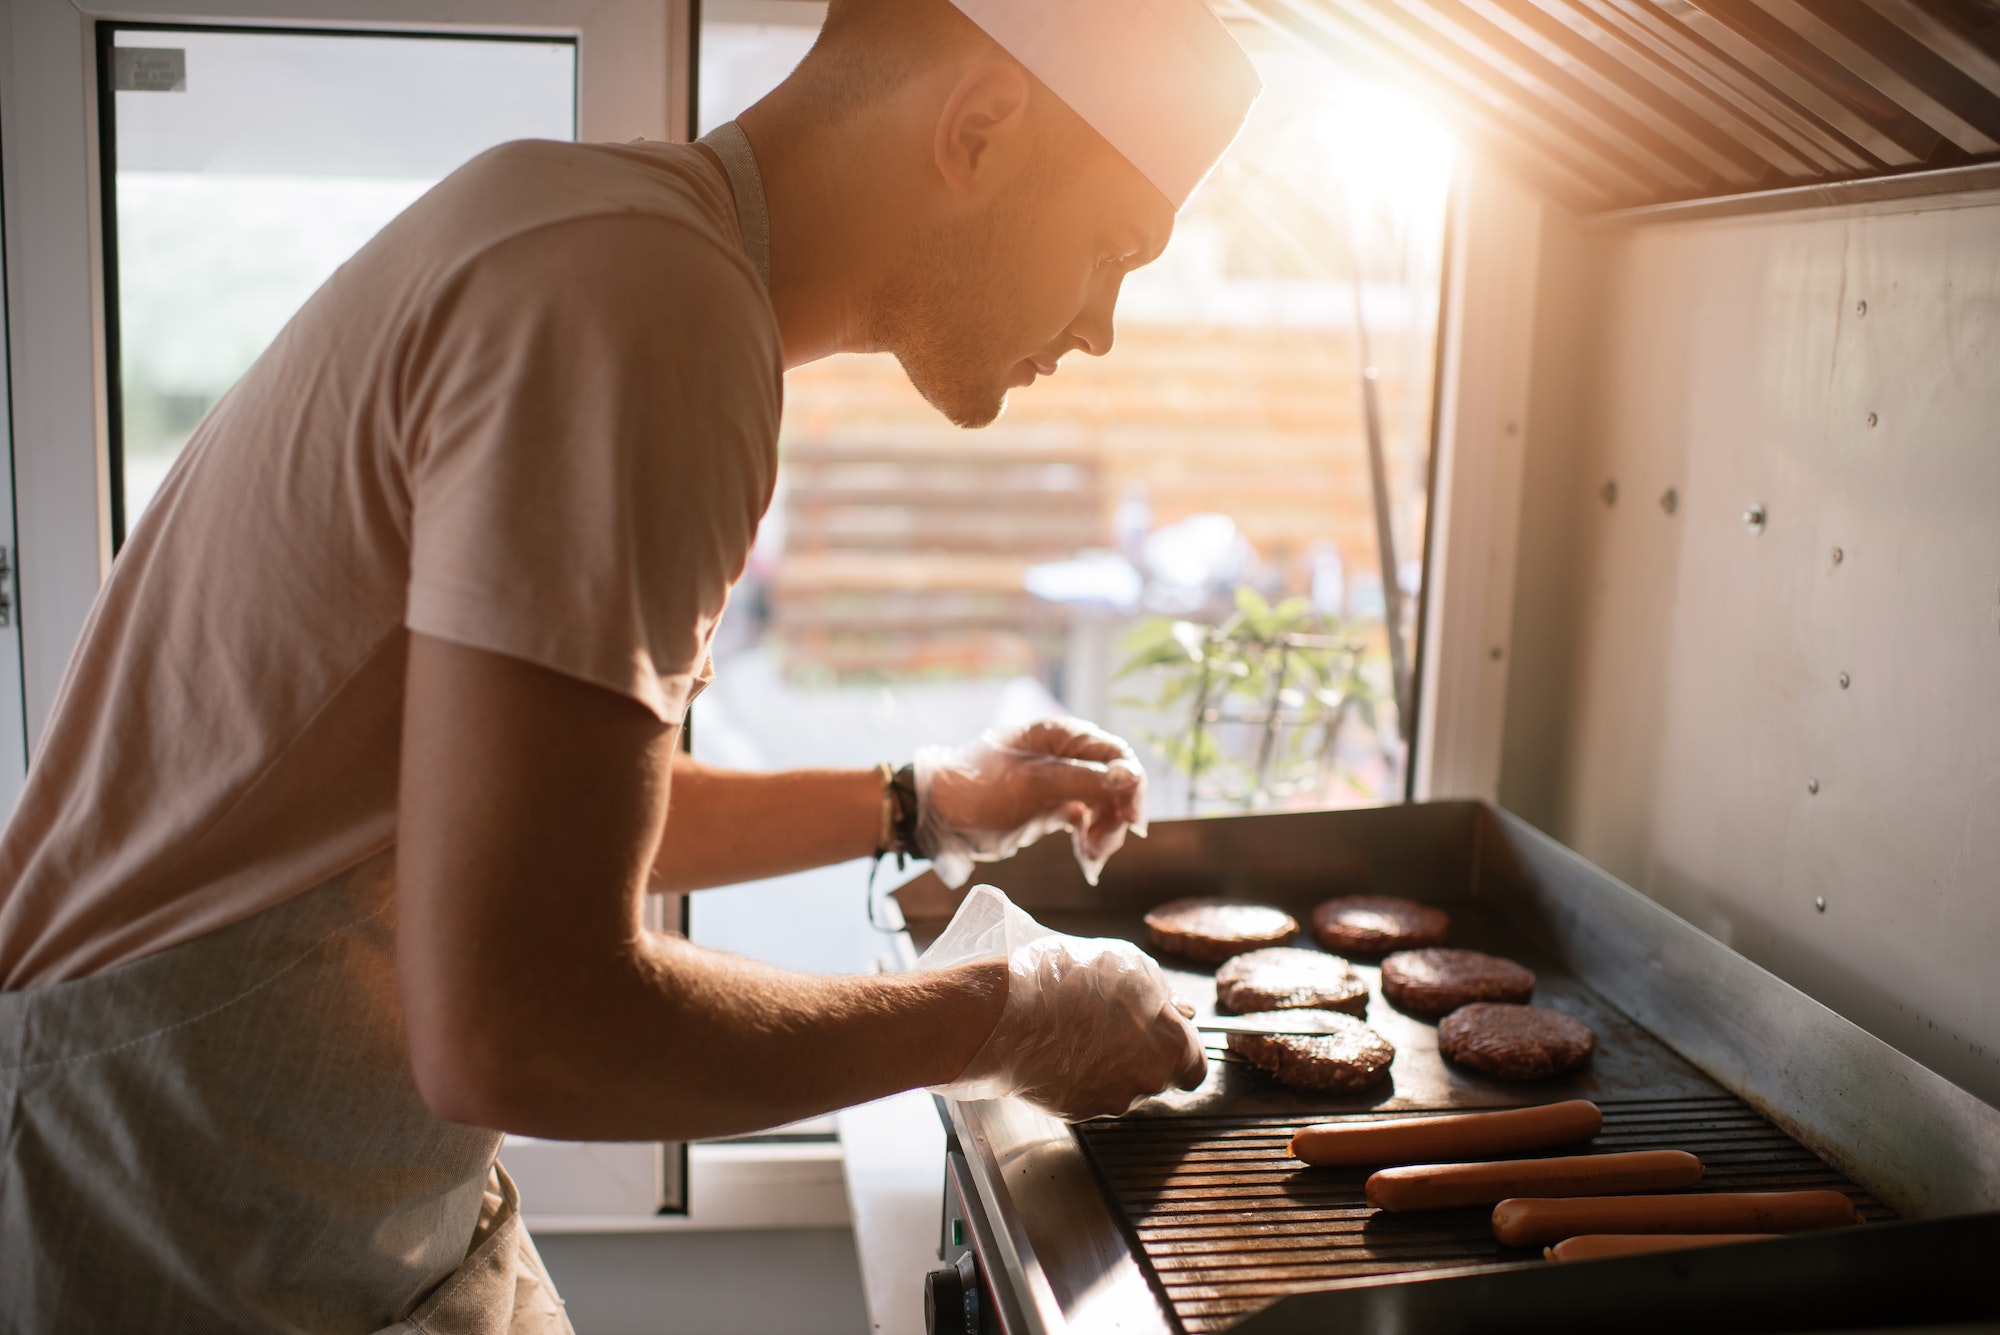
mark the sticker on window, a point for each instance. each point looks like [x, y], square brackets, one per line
[149, 69]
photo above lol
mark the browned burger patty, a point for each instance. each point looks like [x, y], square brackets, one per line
[1515, 1042]
[1374, 925]
[1213, 930]
[1440, 980]
[1354, 1058]
[1282, 978]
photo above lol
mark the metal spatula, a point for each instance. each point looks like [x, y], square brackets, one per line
[1271, 1022]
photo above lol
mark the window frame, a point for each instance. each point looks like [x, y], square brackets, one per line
[105, 40]
[634, 80]
[13, 699]
[1479, 427]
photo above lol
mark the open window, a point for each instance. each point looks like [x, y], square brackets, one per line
[115, 163]
[177, 182]
[1211, 540]
[238, 167]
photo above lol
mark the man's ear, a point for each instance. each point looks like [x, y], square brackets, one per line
[983, 127]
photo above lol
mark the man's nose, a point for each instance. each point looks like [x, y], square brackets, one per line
[1092, 328]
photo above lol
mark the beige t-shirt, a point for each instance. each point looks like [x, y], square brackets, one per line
[537, 415]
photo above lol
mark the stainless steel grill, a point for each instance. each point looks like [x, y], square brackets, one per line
[1187, 1216]
[1227, 1224]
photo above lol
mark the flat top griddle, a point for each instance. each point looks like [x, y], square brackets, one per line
[1226, 1222]
[1186, 1215]
[1629, 1063]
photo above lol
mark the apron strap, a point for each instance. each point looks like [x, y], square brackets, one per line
[728, 142]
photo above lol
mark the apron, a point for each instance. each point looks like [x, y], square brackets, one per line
[227, 1136]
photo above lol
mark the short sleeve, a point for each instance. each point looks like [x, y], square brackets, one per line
[591, 425]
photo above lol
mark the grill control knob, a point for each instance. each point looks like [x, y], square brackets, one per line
[951, 1299]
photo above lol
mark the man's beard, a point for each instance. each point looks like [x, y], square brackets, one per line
[937, 317]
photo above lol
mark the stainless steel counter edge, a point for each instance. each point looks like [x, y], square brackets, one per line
[1030, 1164]
[1061, 1247]
[1918, 1142]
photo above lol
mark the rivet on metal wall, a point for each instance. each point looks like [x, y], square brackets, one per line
[1753, 518]
[1843, 681]
[1819, 902]
[1670, 500]
[1812, 785]
[1873, 419]
[1608, 493]
[1838, 556]
[1861, 308]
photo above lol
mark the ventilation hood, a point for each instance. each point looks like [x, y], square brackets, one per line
[1616, 104]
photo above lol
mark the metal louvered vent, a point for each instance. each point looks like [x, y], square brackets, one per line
[1609, 104]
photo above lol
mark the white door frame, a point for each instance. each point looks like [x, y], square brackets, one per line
[634, 79]
[13, 707]
[1484, 366]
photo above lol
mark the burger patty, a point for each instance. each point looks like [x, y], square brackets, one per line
[1213, 930]
[1440, 980]
[1281, 978]
[1515, 1042]
[1374, 925]
[1352, 1059]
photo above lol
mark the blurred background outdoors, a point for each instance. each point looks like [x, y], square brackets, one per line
[913, 583]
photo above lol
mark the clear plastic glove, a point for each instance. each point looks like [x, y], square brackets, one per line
[989, 800]
[1090, 1026]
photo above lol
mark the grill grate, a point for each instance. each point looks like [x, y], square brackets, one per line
[1228, 1224]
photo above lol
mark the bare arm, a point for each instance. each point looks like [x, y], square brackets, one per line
[727, 826]
[532, 807]
[977, 803]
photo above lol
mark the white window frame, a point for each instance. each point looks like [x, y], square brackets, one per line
[1478, 459]
[731, 1186]
[634, 80]
[13, 700]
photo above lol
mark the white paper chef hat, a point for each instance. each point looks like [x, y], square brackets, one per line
[1161, 80]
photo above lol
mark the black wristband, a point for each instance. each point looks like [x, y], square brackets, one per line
[903, 792]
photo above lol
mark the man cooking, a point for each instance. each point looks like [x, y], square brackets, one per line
[331, 866]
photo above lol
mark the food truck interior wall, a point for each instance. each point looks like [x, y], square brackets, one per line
[1788, 734]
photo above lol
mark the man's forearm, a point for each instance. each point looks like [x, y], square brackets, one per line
[533, 998]
[727, 826]
[678, 1042]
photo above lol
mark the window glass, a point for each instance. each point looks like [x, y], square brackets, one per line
[1210, 484]
[249, 165]
[747, 47]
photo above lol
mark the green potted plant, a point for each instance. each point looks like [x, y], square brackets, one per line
[1266, 694]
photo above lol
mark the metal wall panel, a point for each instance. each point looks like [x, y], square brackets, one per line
[1789, 736]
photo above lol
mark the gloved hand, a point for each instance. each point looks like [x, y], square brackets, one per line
[1089, 1027]
[989, 800]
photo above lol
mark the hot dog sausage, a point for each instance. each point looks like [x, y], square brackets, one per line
[1405, 1140]
[1454, 1186]
[1532, 1223]
[1590, 1246]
